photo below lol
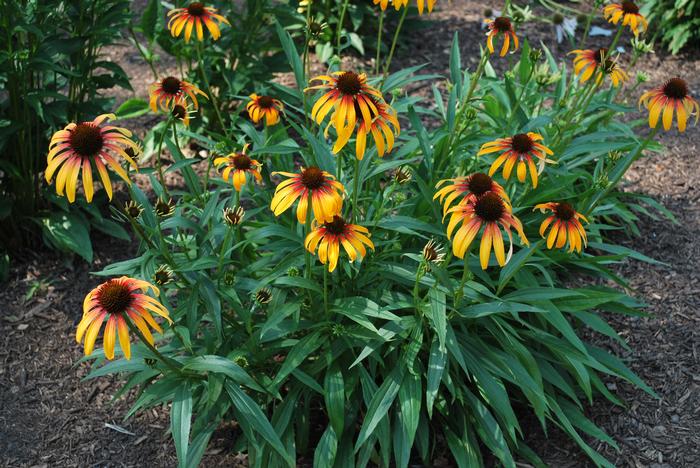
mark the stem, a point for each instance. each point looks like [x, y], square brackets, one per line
[614, 43]
[143, 54]
[393, 42]
[309, 210]
[587, 29]
[325, 291]
[416, 285]
[465, 274]
[520, 98]
[618, 176]
[165, 360]
[341, 19]
[379, 42]
[159, 163]
[213, 99]
[355, 190]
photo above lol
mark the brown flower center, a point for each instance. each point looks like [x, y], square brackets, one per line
[336, 227]
[242, 162]
[502, 24]
[676, 88]
[263, 296]
[115, 297]
[557, 19]
[349, 83]
[600, 54]
[490, 207]
[479, 183]
[522, 143]
[196, 9]
[179, 112]
[312, 178]
[265, 102]
[86, 139]
[163, 208]
[630, 8]
[564, 211]
[170, 85]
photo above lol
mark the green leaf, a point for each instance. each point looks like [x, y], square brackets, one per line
[290, 51]
[297, 355]
[248, 411]
[132, 108]
[409, 414]
[379, 406]
[221, 365]
[68, 232]
[180, 421]
[334, 395]
[326, 450]
[436, 367]
[438, 315]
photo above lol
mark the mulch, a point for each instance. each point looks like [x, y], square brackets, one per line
[50, 417]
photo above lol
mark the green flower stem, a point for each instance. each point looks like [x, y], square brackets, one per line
[393, 42]
[171, 363]
[139, 47]
[305, 63]
[211, 95]
[355, 190]
[379, 43]
[635, 156]
[159, 163]
[616, 39]
[416, 286]
[341, 19]
[307, 229]
[387, 195]
[586, 30]
[519, 98]
[325, 291]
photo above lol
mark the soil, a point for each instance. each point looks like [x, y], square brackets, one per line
[50, 417]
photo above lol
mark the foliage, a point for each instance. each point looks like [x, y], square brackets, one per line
[396, 358]
[676, 22]
[53, 71]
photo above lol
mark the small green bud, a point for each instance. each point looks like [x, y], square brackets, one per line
[293, 272]
[535, 55]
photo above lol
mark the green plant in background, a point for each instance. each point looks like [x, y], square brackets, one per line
[52, 71]
[675, 22]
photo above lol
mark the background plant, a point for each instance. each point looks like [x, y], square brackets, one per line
[676, 22]
[52, 70]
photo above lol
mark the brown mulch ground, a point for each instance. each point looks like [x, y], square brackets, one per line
[49, 417]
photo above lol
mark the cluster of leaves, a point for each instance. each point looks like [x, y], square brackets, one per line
[53, 72]
[394, 359]
[676, 22]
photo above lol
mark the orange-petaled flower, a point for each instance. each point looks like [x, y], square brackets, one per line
[117, 301]
[380, 128]
[329, 236]
[346, 91]
[565, 225]
[470, 187]
[628, 12]
[491, 212]
[170, 90]
[421, 4]
[672, 96]
[326, 194]
[521, 148]
[503, 26]
[192, 17]
[266, 107]
[86, 146]
[588, 63]
[182, 111]
[236, 166]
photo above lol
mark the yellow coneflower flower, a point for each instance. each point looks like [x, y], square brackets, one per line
[233, 216]
[182, 111]
[133, 209]
[82, 146]
[164, 208]
[326, 194]
[420, 4]
[380, 127]
[346, 91]
[163, 275]
[117, 301]
[192, 17]
[170, 90]
[263, 296]
[520, 148]
[433, 253]
[628, 12]
[236, 166]
[588, 63]
[469, 187]
[260, 107]
[565, 225]
[491, 212]
[329, 236]
[672, 96]
[502, 25]
[403, 175]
